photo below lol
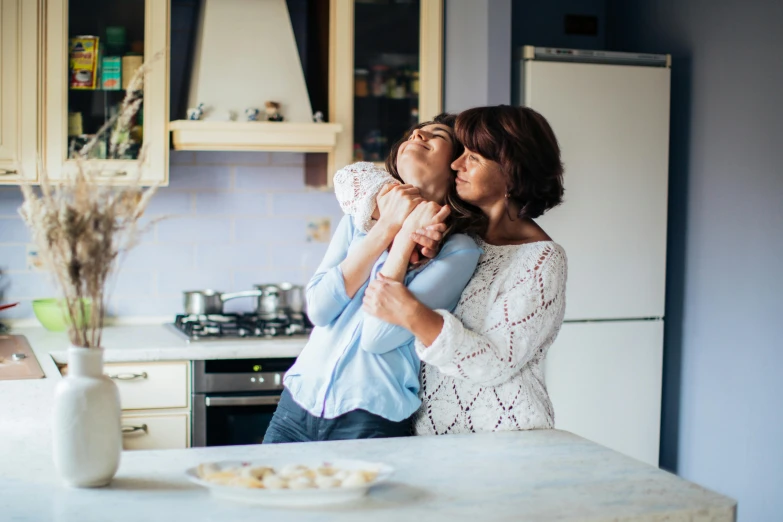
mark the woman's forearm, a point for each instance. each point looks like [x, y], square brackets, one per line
[396, 265]
[357, 265]
[423, 322]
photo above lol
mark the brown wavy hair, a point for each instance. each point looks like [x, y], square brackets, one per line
[464, 217]
[523, 143]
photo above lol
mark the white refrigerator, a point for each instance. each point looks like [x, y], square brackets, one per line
[610, 113]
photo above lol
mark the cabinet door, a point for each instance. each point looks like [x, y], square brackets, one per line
[604, 379]
[18, 96]
[155, 431]
[93, 47]
[386, 73]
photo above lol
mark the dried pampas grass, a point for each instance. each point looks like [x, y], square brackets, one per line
[82, 227]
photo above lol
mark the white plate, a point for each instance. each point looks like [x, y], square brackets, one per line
[293, 497]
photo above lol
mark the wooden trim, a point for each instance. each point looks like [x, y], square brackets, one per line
[20, 18]
[156, 92]
[341, 40]
[238, 135]
[431, 59]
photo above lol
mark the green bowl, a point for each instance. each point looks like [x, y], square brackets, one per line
[52, 315]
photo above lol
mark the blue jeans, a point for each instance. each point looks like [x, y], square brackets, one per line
[292, 423]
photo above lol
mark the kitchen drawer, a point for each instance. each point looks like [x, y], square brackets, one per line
[146, 386]
[155, 431]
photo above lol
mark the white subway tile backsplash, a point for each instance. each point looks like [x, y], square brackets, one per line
[226, 157]
[30, 285]
[200, 177]
[195, 230]
[314, 203]
[174, 281]
[160, 256]
[13, 257]
[232, 203]
[271, 230]
[287, 158]
[299, 255]
[232, 255]
[270, 178]
[13, 230]
[232, 220]
[167, 202]
[10, 201]
[131, 283]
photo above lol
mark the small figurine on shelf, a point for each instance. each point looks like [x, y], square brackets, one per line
[197, 113]
[273, 111]
[251, 113]
[318, 117]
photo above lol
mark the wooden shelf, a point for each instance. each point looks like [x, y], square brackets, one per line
[254, 135]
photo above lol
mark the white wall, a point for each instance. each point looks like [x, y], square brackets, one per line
[477, 53]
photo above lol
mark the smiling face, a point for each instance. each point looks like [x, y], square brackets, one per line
[424, 160]
[480, 181]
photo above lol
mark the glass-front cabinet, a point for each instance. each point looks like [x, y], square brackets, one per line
[388, 59]
[93, 49]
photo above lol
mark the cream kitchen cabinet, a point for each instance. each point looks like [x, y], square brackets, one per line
[19, 100]
[386, 73]
[75, 106]
[146, 431]
[155, 400]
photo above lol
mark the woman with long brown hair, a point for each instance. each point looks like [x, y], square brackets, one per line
[483, 361]
[358, 376]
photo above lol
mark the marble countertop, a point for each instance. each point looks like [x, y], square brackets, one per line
[25, 405]
[536, 475]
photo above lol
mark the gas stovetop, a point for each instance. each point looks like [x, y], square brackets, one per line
[240, 326]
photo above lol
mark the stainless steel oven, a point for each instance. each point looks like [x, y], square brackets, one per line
[234, 399]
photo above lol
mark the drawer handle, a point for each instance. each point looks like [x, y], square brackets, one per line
[112, 173]
[128, 376]
[7, 172]
[127, 430]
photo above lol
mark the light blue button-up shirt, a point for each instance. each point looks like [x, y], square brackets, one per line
[356, 361]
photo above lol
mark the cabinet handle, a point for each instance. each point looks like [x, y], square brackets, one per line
[7, 172]
[128, 376]
[113, 173]
[127, 430]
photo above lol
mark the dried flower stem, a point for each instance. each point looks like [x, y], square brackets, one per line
[81, 225]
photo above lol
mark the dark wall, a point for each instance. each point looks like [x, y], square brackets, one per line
[722, 417]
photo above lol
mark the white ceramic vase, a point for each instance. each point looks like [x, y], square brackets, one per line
[86, 428]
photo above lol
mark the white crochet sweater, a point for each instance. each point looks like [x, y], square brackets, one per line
[483, 372]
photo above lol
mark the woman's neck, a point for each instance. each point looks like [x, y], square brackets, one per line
[505, 228]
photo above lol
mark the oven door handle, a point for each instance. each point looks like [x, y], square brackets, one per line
[242, 401]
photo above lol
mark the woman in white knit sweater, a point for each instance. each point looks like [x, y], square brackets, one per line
[483, 363]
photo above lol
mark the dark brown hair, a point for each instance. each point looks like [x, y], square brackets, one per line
[523, 143]
[464, 217]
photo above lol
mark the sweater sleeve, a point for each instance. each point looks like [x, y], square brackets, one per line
[356, 187]
[519, 325]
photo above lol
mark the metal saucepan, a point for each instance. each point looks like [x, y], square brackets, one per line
[293, 298]
[280, 298]
[207, 302]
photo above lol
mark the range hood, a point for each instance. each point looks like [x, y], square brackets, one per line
[246, 55]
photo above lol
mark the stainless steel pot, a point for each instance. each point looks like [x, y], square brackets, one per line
[293, 298]
[206, 302]
[268, 299]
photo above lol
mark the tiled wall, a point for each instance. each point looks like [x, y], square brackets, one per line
[234, 219]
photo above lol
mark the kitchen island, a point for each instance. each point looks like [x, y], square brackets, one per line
[536, 476]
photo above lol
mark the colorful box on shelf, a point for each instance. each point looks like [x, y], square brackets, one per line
[111, 73]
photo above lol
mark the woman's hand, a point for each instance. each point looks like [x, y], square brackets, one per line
[390, 301]
[396, 202]
[425, 214]
[429, 239]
